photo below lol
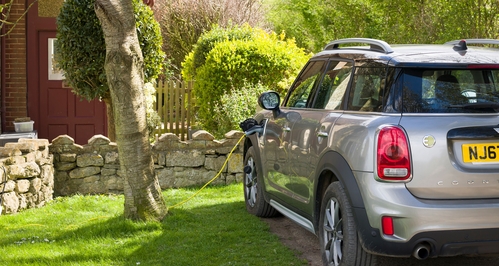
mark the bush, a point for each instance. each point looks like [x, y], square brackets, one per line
[183, 21]
[81, 49]
[207, 42]
[235, 107]
[152, 118]
[151, 42]
[239, 57]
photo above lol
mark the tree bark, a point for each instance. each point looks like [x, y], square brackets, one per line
[125, 76]
[111, 132]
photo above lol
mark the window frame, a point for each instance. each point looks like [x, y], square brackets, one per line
[299, 81]
[381, 87]
[336, 62]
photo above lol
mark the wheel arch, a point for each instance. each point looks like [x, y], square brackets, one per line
[247, 144]
[252, 141]
[333, 167]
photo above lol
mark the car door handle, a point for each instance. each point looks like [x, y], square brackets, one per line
[287, 129]
[322, 134]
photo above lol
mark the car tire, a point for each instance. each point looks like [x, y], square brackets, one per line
[253, 190]
[338, 232]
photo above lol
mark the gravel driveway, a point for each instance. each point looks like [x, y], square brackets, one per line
[306, 246]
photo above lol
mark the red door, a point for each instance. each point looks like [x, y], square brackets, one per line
[54, 108]
[61, 112]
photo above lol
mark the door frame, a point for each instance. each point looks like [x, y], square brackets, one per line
[34, 25]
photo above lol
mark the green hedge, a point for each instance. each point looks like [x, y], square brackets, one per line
[238, 62]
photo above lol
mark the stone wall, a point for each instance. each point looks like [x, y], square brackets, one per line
[32, 171]
[94, 167]
[26, 175]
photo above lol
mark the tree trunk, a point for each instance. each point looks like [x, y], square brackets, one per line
[125, 76]
[111, 132]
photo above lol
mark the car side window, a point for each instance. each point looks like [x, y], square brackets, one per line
[367, 89]
[333, 86]
[302, 88]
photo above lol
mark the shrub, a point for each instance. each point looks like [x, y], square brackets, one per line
[153, 120]
[151, 42]
[183, 21]
[208, 41]
[81, 49]
[235, 107]
[241, 57]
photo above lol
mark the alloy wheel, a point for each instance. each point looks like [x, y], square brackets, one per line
[333, 232]
[250, 183]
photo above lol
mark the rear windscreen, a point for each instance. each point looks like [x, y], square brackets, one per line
[450, 90]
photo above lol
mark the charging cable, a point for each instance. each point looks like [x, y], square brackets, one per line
[213, 179]
[3, 188]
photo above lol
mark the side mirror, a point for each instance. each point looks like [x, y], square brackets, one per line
[270, 100]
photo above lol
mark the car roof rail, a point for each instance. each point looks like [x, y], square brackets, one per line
[376, 45]
[475, 41]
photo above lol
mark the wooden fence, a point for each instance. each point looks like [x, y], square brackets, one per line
[175, 106]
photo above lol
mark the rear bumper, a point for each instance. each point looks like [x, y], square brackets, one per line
[441, 243]
[448, 227]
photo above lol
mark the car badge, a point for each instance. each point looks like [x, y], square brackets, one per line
[429, 141]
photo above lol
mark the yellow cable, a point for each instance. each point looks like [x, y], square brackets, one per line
[23, 226]
[191, 197]
[213, 179]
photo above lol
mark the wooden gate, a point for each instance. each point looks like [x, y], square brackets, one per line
[175, 106]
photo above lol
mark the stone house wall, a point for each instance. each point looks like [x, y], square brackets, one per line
[94, 167]
[26, 175]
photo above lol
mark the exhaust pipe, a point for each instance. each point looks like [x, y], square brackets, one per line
[421, 251]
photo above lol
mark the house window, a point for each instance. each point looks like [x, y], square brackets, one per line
[54, 72]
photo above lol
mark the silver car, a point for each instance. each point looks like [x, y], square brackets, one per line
[383, 150]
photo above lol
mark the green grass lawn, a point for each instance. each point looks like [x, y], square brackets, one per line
[211, 229]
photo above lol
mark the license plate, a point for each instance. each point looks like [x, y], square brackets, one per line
[481, 153]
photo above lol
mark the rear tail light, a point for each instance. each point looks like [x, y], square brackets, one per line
[393, 156]
[387, 225]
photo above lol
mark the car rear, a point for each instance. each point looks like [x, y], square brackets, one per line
[436, 180]
[454, 139]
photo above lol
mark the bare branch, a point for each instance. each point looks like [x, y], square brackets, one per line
[6, 13]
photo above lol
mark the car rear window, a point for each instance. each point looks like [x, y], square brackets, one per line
[450, 90]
